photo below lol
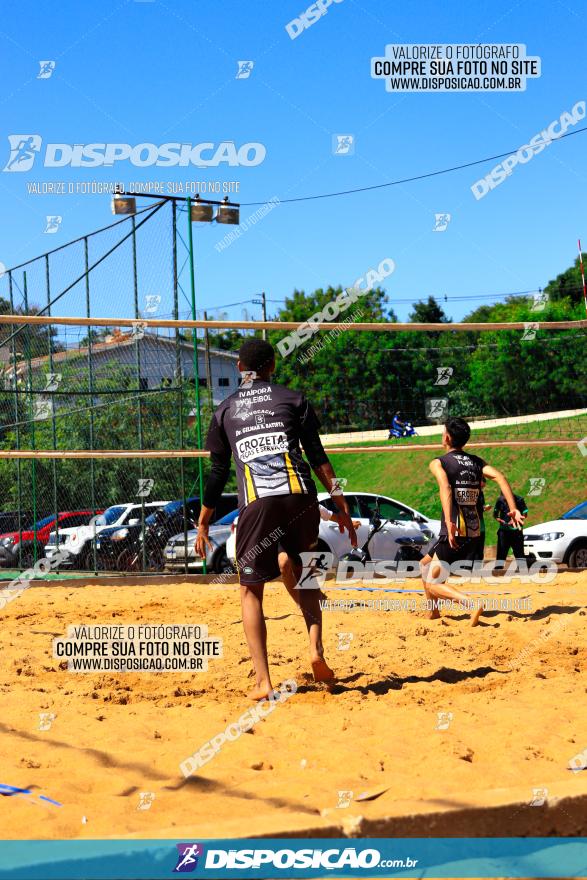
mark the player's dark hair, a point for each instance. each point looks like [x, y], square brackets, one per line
[458, 431]
[256, 354]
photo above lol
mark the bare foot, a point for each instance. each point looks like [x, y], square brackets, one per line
[321, 670]
[475, 616]
[261, 691]
[432, 615]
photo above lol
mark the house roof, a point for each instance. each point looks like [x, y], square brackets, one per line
[122, 340]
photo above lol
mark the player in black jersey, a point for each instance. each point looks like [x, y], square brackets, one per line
[264, 427]
[460, 478]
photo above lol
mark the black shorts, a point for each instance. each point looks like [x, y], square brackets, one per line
[269, 525]
[468, 549]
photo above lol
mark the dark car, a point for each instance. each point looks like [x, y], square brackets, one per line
[134, 548]
[9, 520]
[19, 549]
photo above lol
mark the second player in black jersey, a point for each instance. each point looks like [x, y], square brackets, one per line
[460, 475]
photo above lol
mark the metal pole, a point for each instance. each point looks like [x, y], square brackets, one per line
[196, 369]
[179, 379]
[582, 273]
[53, 422]
[208, 365]
[138, 363]
[31, 417]
[17, 428]
[91, 407]
[264, 305]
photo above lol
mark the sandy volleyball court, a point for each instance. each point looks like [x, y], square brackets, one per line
[423, 713]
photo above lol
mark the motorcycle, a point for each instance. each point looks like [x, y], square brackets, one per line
[409, 549]
[362, 554]
[408, 430]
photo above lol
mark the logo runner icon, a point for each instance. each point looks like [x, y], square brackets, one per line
[23, 150]
[188, 855]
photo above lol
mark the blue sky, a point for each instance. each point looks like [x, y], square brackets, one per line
[164, 71]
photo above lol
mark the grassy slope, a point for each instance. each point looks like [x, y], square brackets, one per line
[405, 475]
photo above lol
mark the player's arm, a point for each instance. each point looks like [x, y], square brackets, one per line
[326, 475]
[334, 517]
[320, 464]
[513, 514]
[445, 499]
[220, 453]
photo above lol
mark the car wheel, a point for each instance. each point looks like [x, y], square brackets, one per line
[578, 556]
[27, 559]
[221, 563]
[128, 560]
[86, 560]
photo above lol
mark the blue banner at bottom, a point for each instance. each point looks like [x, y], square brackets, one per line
[291, 858]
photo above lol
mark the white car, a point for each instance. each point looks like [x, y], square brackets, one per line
[216, 559]
[77, 540]
[404, 522]
[561, 540]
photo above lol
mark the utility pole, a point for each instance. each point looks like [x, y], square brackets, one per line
[263, 303]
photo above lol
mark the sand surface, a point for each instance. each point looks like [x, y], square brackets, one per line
[117, 735]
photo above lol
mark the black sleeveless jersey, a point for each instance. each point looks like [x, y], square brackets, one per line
[262, 425]
[464, 472]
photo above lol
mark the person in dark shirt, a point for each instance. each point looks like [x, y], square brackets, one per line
[460, 476]
[485, 508]
[264, 427]
[508, 535]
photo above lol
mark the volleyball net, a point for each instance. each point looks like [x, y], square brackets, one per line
[100, 412]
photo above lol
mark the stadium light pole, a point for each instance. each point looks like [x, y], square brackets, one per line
[202, 211]
[195, 354]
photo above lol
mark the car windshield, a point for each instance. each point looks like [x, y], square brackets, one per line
[227, 519]
[578, 512]
[42, 522]
[110, 516]
[153, 517]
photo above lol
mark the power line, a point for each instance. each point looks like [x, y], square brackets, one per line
[450, 298]
[346, 192]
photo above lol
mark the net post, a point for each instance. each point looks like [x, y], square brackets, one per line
[32, 418]
[91, 408]
[53, 421]
[195, 344]
[179, 380]
[17, 409]
[138, 367]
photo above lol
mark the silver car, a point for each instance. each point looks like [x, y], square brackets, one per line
[403, 521]
[216, 559]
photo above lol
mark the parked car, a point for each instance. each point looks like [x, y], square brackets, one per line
[18, 550]
[404, 522]
[121, 549]
[216, 559]
[78, 540]
[562, 540]
[9, 520]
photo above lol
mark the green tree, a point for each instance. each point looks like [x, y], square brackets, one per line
[429, 312]
[567, 285]
[345, 374]
[107, 420]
